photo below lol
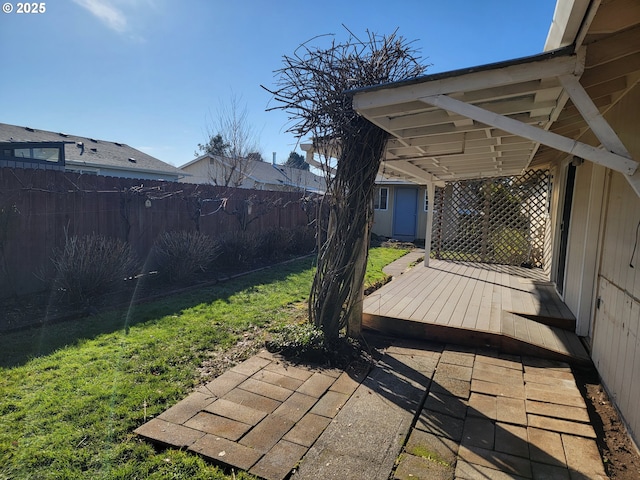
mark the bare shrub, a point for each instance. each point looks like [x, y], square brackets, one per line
[238, 249]
[241, 249]
[180, 255]
[91, 265]
[275, 242]
[302, 240]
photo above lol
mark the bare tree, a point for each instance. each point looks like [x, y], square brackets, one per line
[232, 145]
[314, 88]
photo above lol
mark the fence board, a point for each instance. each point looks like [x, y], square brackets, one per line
[49, 203]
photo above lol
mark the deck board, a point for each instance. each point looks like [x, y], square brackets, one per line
[492, 304]
[483, 320]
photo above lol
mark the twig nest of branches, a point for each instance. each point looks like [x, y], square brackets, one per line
[315, 86]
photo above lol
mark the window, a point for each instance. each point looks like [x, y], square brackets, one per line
[381, 196]
[426, 200]
[34, 154]
[47, 154]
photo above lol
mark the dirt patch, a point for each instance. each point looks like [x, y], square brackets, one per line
[620, 456]
[218, 362]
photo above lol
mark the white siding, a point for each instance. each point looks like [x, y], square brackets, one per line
[581, 265]
[616, 345]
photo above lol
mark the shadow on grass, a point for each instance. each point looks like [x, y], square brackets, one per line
[19, 347]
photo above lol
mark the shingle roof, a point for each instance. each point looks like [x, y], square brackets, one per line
[267, 174]
[283, 175]
[92, 152]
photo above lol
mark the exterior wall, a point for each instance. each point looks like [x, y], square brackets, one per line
[198, 173]
[584, 226]
[616, 339]
[604, 253]
[422, 215]
[383, 219]
[130, 174]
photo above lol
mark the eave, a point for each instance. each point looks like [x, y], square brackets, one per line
[489, 120]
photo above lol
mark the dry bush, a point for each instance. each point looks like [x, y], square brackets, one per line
[238, 249]
[91, 265]
[180, 255]
[302, 241]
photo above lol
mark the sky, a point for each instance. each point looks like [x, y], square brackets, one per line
[156, 74]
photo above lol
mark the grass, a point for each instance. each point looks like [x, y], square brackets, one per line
[378, 258]
[72, 394]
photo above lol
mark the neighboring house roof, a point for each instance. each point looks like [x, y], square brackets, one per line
[262, 175]
[103, 157]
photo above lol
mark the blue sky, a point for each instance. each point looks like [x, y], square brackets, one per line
[154, 73]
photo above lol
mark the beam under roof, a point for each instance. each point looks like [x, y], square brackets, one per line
[434, 120]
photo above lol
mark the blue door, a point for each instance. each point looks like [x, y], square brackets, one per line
[405, 214]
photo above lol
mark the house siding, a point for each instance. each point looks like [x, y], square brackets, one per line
[584, 226]
[383, 219]
[197, 173]
[616, 344]
[615, 304]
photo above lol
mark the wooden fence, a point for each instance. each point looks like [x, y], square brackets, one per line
[38, 208]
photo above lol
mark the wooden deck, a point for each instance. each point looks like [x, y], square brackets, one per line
[511, 308]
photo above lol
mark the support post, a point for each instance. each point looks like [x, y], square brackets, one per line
[431, 196]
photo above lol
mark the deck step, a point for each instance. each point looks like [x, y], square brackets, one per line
[518, 336]
[521, 328]
[568, 324]
[510, 308]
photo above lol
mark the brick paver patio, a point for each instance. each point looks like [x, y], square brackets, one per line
[261, 416]
[482, 415]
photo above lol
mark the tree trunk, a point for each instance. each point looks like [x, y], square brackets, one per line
[336, 296]
[354, 319]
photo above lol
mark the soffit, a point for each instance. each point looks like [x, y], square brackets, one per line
[611, 70]
[430, 143]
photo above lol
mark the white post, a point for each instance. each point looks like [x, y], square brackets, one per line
[431, 194]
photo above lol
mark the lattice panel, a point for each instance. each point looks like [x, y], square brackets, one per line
[498, 220]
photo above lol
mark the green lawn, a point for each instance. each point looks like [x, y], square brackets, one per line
[378, 258]
[72, 394]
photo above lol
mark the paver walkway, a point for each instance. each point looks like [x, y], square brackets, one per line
[423, 411]
[261, 416]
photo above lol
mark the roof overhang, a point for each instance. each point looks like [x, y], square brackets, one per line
[483, 121]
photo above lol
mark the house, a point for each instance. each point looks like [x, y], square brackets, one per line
[26, 147]
[250, 173]
[400, 209]
[574, 110]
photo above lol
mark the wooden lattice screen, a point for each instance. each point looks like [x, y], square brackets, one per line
[497, 220]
